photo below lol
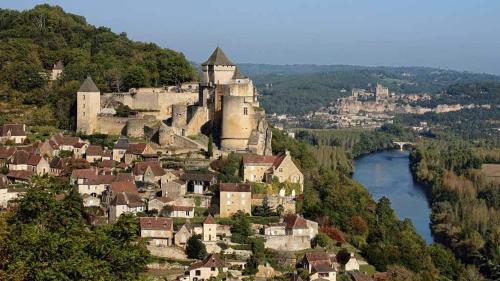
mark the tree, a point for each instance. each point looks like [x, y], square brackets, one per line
[252, 266]
[210, 146]
[195, 248]
[123, 111]
[322, 240]
[241, 228]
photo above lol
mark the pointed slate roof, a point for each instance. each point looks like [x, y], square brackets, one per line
[237, 74]
[218, 58]
[59, 65]
[209, 220]
[88, 86]
[122, 143]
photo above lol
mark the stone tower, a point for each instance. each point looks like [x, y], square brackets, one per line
[218, 69]
[57, 70]
[88, 106]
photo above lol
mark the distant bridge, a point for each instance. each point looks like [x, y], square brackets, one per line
[402, 144]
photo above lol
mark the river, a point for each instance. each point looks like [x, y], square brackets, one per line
[387, 173]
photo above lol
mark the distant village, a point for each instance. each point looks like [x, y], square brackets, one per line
[190, 122]
[366, 109]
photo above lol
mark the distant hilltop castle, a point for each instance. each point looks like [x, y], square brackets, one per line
[224, 104]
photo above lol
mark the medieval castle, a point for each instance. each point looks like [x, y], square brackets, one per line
[224, 105]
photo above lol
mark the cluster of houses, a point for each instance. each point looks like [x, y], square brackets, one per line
[130, 178]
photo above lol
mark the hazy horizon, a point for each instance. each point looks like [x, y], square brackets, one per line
[458, 35]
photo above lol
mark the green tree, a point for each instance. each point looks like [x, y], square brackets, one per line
[210, 147]
[195, 249]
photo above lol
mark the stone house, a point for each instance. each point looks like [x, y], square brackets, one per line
[16, 133]
[95, 185]
[96, 153]
[20, 176]
[78, 176]
[120, 148]
[235, 197]
[45, 148]
[174, 189]
[66, 143]
[256, 168]
[352, 264]
[148, 171]
[182, 235]
[6, 153]
[274, 229]
[135, 151]
[159, 230]
[198, 182]
[159, 203]
[319, 266]
[204, 270]
[295, 225]
[58, 165]
[38, 165]
[124, 202]
[186, 212]
[209, 229]
[8, 193]
[19, 161]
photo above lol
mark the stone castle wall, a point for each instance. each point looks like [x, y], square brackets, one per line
[111, 125]
[288, 242]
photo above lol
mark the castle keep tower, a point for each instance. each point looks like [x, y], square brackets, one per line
[88, 103]
[218, 69]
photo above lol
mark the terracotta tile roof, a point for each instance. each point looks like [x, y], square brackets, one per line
[295, 221]
[12, 130]
[20, 175]
[107, 164]
[141, 167]
[6, 152]
[34, 160]
[316, 256]
[132, 200]
[94, 150]
[322, 266]
[213, 260]
[122, 177]
[275, 161]
[59, 163]
[100, 179]
[198, 177]
[136, 148]
[156, 223]
[60, 139]
[235, 187]
[20, 157]
[79, 145]
[122, 165]
[29, 149]
[209, 220]
[83, 173]
[124, 187]
[182, 208]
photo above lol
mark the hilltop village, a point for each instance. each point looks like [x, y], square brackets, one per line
[191, 216]
[369, 109]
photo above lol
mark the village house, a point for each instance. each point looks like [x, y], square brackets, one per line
[96, 153]
[78, 176]
[293, 234]
[6, 152]
[20, 176]
[174, 189]
[209, 229]
[120, 148]
[204, 270]
[135, 152]
[319, 266]
[45, 148]
[158, 230]
[182, 235]
[159, 203]
[95, 185]
[352, 264]
[198, 182]
[295, 225]
[73, 144]
[14, 133]
[58, 165]
[235, 197]
[8, 193]
[148, 172]
[257, 168]
[186, 212]
[125, 202]
[38, 165]
[19, 161]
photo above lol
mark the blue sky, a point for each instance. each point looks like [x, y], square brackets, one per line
[456, 34]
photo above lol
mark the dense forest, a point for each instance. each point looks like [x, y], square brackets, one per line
[48, 237]
[32, 41]
[465, 206]
[297, 89]
[345, 210]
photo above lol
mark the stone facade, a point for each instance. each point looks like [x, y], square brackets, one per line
[234, 198]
